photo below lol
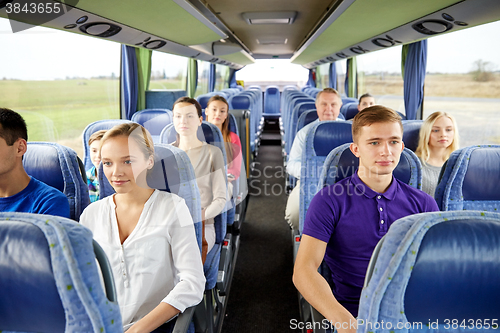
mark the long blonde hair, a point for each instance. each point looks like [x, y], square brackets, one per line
[423, 150]
[225, 126]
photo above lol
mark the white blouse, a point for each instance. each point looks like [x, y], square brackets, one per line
[159, 262]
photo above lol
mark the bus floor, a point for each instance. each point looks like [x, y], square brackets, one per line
[262, 297]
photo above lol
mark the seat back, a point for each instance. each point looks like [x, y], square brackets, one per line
[50, 282]
[411, 133]
[350, 110]
[59, 167]
[306, 118]
[154, 120]
[320, 140]
[91, 129]
[432, 269]
[470, 180]
[271, 101]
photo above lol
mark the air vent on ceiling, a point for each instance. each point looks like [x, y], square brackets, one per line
[269, 17]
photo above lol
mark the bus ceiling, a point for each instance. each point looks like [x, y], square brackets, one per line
[235, 33]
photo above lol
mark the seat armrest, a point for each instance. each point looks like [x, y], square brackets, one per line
[183, 320]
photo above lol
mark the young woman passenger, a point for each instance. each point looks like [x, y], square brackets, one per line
[438, 139]
[148, 236]
[217, 113]
[208, 165]
[92, 180]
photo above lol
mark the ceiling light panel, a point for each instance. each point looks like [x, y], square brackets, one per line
[269, 17]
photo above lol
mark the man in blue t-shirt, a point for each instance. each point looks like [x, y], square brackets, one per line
[18, 191]
[346, 220]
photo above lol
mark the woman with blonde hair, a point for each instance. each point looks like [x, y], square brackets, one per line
[208, 164]
[438, 139]
[148, 236]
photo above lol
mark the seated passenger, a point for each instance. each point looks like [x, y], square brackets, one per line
[148, 235]
[92, 180]
[208, 165]
[346, 220]
[365, 101]
[438, 139]
[18, 191]
[328, 103]
[217, 113]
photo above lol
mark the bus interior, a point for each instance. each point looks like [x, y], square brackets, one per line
[94, 64]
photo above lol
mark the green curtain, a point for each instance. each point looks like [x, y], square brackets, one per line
[192, 77]
[353, 78]
[404, 54]
[143, 74]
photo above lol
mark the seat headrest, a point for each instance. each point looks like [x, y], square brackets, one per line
[164, 175]
[240, 102]
[304, 106]
[348, 164]
[310, 116]
[272, 91]
[411, 133]
[350, 110]
[206, 133]
[455, 275]
[42, 162]
[331, 134]
[153, 120]
[203, 100]
[30, 300]
[482, 176]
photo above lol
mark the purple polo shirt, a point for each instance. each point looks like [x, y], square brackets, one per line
[352, 218]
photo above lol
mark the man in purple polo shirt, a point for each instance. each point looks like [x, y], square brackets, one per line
[346, 220]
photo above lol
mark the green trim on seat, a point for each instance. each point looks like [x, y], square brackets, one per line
[163, 18]
[359, 23]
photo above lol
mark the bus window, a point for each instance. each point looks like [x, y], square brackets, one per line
[278, 72]
[341, 69]
[203, 78]
[168, 71]
[59, 82]
[322, 77]
[468, 86]
[221, 77]
[379, 73]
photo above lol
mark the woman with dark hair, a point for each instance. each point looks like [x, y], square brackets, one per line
[208, 165]
[217, 113]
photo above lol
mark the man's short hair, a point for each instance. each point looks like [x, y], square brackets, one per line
[328, 91]
[13, 126]
[371, 115]
[364, 96]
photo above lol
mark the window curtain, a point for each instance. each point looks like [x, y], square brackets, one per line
[211, 78]
[332, 76]
[192, 81]
[351, 78]
[311, 82]
[413, 66]
[232, 78]
[143, 75]
[129, 85]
